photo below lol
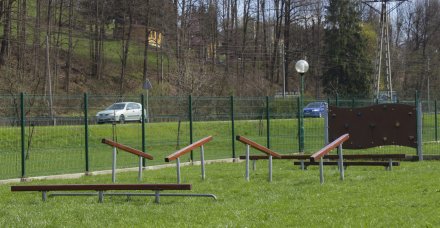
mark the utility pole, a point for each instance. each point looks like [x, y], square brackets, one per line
[383, 54]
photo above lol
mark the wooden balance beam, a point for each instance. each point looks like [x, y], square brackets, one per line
[101, 188]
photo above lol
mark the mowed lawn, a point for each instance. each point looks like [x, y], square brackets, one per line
[408, 196]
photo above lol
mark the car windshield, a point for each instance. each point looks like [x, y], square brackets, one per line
[116, 107]
[314, 105]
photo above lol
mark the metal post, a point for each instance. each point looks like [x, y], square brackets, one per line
[270, 168]
[435, 120]
[268, 122]
[321, 170]
[44, 195]
[352, 102]
[190, 125]
[202, 161]
[301, 127]
[100, 196]
[156, 196]
[299, 131]
[86, 130]
[114, 166]
[247, 162]
[341, 162]
[140, 169]
[22, 124]
[390, 164]
[326, 126]
[178, 170]
[419, 131]
[233, 127]
[143, 128]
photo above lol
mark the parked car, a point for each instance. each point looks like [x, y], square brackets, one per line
[315, 109]
[121, 112]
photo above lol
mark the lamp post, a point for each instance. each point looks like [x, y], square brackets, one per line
[301, 67]
[147, 86]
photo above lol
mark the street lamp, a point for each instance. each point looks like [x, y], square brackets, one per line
[147, 86]
[301, 67]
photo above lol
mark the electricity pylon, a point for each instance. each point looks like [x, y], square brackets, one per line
[383, 53]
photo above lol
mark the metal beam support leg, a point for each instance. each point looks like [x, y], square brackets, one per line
[254, 165]
[140, 169]
[178, 170]
[114, 166]
[100, 196]
[247, 163]
[270, 168]
[156, 196]
[341, 162]
[202, 161]
[321, 171]
[44, 195]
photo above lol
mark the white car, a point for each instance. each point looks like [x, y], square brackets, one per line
[121, 112]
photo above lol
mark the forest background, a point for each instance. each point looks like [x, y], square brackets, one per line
[214, 47]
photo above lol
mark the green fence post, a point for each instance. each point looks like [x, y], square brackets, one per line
[352, 102]
[299, 124]
[86, 131]
[435, 120]
[143, 128]
[419, 116]
[190, 124]
[268, 122]
[233, 127]
[22, 125]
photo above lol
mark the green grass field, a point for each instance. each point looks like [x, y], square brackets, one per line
[408, 196]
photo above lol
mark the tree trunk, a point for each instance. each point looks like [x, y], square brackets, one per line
[6, 32]
[125, 47]
[70, 48]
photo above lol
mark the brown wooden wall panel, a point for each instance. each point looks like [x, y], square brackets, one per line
[378, 125]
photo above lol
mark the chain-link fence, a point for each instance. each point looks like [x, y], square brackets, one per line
[41, 135]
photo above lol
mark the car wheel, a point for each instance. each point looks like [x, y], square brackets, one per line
[122, 119]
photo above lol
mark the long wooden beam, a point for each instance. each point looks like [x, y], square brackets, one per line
[316, 156]
[127, 149]
[100, 187]
[187, 149]
[258, 146]
[332, 156]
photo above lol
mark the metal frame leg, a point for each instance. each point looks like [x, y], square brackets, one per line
[157, 196]
[254, 165]
[321, 171]
[341, 163]
[178, 170]
[270, 168]
[44, 195]
[390, 165]
[247, 163]
[202, 161]
[140, 169]
[114, 166]
[100, 196]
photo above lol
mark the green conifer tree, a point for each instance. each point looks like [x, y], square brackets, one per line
[347, 68]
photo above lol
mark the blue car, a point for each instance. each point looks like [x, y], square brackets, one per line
[315, 109]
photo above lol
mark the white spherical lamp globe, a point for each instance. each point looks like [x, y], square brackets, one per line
[302, 66]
